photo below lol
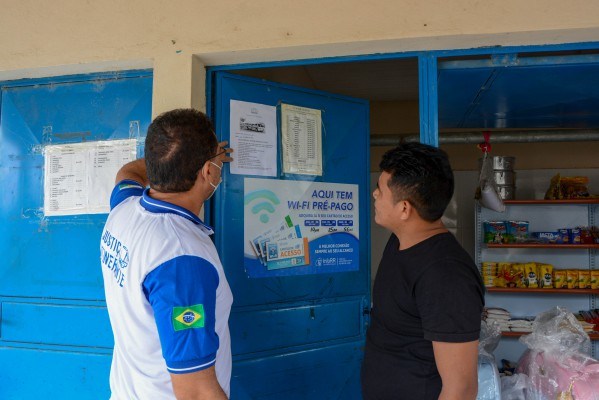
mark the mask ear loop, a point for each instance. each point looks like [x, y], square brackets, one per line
[219, 181]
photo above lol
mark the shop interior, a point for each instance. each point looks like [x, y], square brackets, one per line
[539, 108]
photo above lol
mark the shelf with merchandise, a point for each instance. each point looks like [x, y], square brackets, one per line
[542, 290]
[543, 216]
[541, 246]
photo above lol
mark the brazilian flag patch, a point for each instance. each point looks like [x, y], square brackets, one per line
[188, 317]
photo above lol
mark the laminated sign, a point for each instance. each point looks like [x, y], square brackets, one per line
[299, 227]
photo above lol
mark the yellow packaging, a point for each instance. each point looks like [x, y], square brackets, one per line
[489, 281]
[520, 271]
[572, 278]
[584, 279]
[500, 282]
[559, 279]
[595, 279]
[513, 276]
[532, 275]
[546, 276]
[502, 267]
[488, 268]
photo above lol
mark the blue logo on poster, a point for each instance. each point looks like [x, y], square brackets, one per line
[266, 200]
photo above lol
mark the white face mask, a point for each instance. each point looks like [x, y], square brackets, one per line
[219, 180]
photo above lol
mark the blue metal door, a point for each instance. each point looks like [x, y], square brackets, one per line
[55, 336]
[296, 336]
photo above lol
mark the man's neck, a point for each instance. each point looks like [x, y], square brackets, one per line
[186, 200]
[418, 231]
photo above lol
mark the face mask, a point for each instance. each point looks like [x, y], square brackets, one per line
[219, 181]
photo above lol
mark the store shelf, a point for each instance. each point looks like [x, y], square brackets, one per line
[592, 336]
[549, 202]
[541, 246]
[543, 215]
[548, 291]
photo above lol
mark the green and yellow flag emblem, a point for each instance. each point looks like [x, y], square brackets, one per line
[188, 317]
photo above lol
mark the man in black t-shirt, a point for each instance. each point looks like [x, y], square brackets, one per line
[428, 296]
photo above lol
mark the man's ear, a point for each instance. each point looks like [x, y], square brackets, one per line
[405, 209]
[204, 172]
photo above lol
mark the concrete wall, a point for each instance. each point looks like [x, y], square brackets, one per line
[178, 38]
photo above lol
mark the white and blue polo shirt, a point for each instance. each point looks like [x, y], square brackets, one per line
[167, 295]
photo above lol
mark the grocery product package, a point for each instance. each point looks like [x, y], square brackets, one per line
[557, 360]
[567, 187]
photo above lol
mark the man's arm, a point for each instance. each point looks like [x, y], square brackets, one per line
[134, 170]
[197, 385]
[457, 364]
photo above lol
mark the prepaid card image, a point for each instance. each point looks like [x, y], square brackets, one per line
[299, 227]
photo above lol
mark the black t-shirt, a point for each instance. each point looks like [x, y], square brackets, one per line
[429, 292]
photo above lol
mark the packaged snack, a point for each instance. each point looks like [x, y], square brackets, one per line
[489, 281]
[495, 231]
[513, 276]
[531, 273]
[503, 266]
[559, 279]
[574, 235]
[563, 236]
[595, 279]
[573, 187]
[572, 278]
[584, 279]
[546, 275]
[489, 268]
[500, 281]
[546, 237]
[586, 237]
[521, 272]
[595, 233]
[516, 231]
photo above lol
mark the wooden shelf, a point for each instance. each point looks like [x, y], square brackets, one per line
[549, 202]
[553, 291]
[541, 246]
[593, 336]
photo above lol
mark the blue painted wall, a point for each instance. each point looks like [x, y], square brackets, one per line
[55, 336]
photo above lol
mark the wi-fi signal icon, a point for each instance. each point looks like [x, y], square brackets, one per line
[265, 207]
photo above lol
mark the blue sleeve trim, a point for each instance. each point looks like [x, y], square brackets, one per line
[181, 286]
[123, 190]
[191, 369]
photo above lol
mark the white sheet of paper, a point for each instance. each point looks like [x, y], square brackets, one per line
[301, 140]
[253, 136]
[79, 177]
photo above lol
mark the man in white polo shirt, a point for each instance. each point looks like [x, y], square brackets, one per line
[166, 292]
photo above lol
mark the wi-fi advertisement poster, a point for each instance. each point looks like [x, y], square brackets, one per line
[299, 227]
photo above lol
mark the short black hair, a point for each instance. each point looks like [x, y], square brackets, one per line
[420, 174]
[178, 144]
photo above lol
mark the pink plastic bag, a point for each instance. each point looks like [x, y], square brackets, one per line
[557, 360]
[550, 376]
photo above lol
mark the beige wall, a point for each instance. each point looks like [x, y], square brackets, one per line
[72, 36]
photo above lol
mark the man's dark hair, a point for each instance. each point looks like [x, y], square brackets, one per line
[420, 174]
[178, 144]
